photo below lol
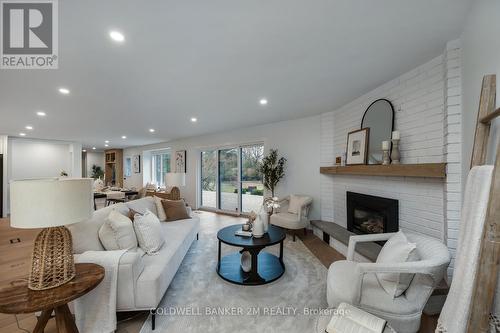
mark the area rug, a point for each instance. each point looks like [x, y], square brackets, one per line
[198, 300]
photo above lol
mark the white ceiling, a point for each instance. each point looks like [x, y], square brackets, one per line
[214, 60]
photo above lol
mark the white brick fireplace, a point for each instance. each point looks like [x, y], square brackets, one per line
[427, 104]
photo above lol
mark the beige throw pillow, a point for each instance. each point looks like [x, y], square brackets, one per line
[159, 208]
[117, 232]
[295, 203]
[149, 234]
[175, 210]
[396, 250]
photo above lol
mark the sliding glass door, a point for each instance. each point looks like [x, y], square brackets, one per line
[229, 188]
[209, 178]
[252, 189]
[230, 180]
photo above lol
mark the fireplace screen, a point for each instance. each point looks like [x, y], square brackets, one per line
[367, 214]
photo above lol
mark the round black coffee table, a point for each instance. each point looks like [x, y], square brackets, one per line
[266, 267]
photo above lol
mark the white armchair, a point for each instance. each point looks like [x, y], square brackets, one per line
[356, 283]
[292, 220]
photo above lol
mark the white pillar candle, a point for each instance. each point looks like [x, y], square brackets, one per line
[395, 135]
[385, 145]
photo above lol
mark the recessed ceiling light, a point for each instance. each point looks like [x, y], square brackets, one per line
[22, 134]
[107, 141]
[152, 130]
[84, 150]
[124, 137]
[106, 145]
[93, 148]
[29, 127]
[117, 36]
[194, 119]
[263, 101]
[64, 91]
[41, 114]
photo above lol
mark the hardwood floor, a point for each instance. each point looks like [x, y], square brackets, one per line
[15, 258]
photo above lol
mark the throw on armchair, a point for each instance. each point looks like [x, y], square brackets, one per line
[293, 213]
[357, 283]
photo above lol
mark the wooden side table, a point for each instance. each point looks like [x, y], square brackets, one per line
[19, 299]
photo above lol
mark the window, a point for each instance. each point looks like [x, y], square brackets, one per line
[230, 178]
[160, 163]
[128, 167]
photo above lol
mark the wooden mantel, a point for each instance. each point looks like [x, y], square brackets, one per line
[426, 170]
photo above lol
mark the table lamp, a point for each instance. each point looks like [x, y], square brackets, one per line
[50, 204]
[175, 179]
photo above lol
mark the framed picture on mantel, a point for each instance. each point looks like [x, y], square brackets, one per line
[357, 146]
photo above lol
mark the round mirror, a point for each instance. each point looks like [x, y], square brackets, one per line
[379, 117]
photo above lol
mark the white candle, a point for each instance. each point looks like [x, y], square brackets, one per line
[385, 145]
[395, 135]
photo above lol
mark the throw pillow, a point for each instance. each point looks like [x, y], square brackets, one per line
[117, 232]
[149, 234]
[295, 203]
[396, 250]
[175, 210]
[159, 208]
[131, 214]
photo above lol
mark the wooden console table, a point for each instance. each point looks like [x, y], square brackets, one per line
[17, 299]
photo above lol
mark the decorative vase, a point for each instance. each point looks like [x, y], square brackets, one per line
[258, 228]
[246, 261]
[264, 217]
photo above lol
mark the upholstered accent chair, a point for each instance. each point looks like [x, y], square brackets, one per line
[293, 218]
[356, 283]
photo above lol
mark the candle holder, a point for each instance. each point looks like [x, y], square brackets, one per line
[386, 160]
[395, 155]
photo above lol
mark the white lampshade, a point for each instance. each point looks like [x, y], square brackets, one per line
[175, 179]
[51, 202]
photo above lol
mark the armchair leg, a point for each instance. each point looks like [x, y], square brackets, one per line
[305, 231]
[294, 236]
[197, 236]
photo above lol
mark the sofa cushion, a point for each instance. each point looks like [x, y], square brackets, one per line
[175, 210]
[396, 250]
[117, 232]
[143, 204]
[148, 231]
[159, 270]
[86, 234]
[159, 208]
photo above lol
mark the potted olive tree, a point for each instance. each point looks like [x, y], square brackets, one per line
[272, 170]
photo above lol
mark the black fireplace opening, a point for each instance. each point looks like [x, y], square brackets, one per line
[368, 214]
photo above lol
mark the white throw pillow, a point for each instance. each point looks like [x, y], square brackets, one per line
[162, 216]
[117, 232]
[148, 231]
[396, 250]
[295, 203]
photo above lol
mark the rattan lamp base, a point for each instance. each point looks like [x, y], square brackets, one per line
[175, 193]
[52, 263]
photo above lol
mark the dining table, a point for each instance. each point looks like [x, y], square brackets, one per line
[104, 194]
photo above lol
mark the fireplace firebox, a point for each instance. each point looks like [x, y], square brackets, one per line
[367, 214]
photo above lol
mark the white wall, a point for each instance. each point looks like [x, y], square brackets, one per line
[94, 159]
[296, 140]
[41, 158]
[481, 56]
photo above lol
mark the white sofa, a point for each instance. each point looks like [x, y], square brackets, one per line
[142, 279]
